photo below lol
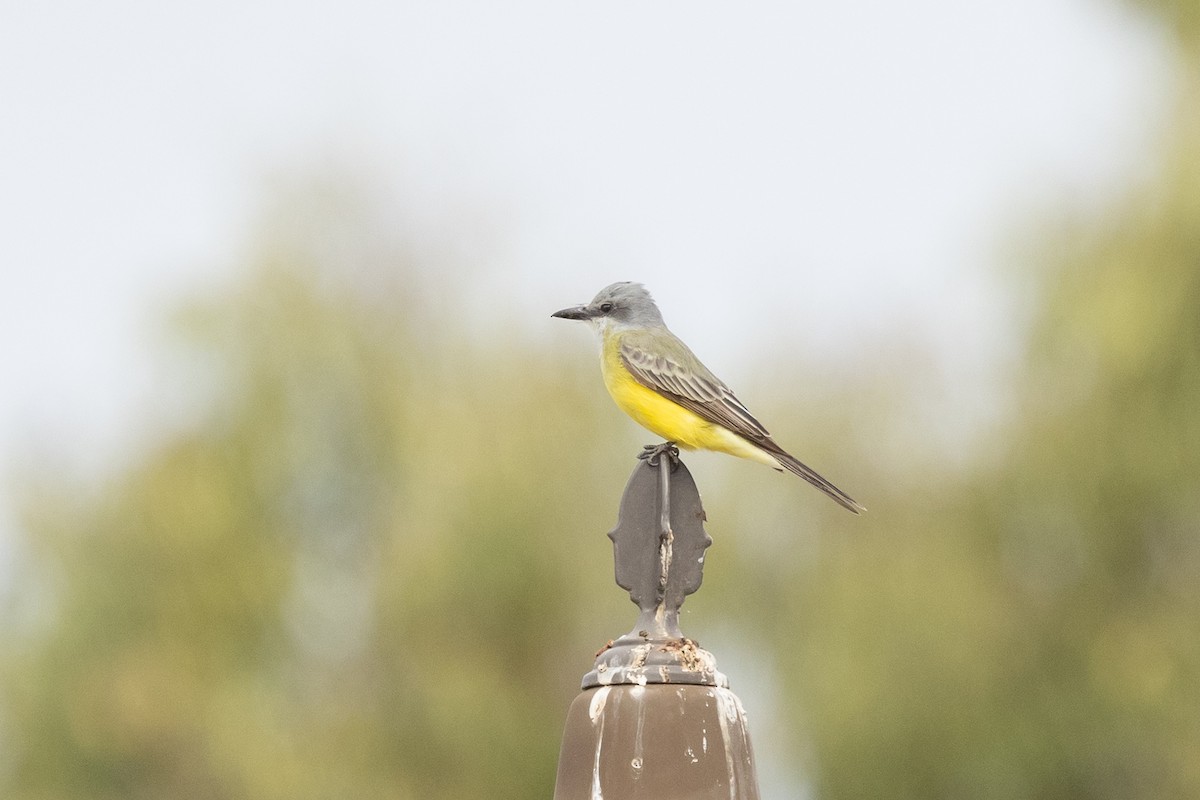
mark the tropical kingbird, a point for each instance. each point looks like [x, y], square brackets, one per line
[656, 379]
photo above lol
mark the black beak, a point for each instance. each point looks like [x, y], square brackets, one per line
[574, 312]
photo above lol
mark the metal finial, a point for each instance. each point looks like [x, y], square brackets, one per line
[658, 550]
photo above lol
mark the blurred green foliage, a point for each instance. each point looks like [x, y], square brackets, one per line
[1031, 629]
[355, 572]
[366, 558]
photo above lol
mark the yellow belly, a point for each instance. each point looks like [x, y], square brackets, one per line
[666, 418]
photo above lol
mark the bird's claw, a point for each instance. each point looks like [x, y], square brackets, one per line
[651, 453]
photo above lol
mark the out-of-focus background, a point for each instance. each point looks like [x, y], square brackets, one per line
[305, 494]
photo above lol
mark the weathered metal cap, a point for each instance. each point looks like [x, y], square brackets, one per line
[640, 660]
[658, 549]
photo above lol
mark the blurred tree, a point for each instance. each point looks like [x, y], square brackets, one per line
[1029, 630]
[342, 576]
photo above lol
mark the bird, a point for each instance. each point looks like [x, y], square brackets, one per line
[658, 381]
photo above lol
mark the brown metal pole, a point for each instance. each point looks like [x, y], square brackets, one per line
[656, 742]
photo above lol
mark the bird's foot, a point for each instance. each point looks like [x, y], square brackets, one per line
[651, 453]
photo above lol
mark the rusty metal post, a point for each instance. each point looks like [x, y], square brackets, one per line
[655, 719]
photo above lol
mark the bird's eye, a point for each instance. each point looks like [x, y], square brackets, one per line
[605, 307]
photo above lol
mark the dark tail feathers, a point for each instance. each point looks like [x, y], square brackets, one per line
[810, 475]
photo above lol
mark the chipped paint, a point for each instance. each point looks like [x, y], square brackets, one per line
[597, 793]
[666, 554]
[596, 707]
[729, 705]
[724, 707]
[638, 694]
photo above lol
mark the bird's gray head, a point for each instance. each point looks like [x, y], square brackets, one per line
[623, 305]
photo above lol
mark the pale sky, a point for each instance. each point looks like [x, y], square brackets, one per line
[823, 175]
[829, 171]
